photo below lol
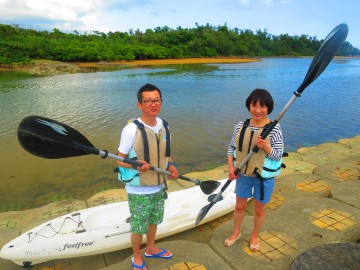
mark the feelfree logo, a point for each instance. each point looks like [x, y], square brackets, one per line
[78, 245]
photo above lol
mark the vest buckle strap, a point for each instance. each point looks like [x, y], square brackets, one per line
[262, 179]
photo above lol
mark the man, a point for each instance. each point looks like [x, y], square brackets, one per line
[147, 139]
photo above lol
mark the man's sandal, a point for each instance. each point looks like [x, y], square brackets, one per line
[142, 266]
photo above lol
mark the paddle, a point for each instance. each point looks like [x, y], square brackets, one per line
[47, 138]
[320, 61]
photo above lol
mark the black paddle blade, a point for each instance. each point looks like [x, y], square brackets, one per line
[325, 54]
[213, 196]
[209, 186]
[203, 212]
[47, 138]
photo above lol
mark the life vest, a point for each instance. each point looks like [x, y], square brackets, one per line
[258, 165]
[154, 149]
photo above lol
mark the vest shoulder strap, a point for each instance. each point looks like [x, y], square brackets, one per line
[242, 133]
[141, 127]
[146, 142]
[168, 149]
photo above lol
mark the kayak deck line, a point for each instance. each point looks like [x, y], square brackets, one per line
[115, 234]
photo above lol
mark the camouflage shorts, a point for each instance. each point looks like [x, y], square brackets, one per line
[145, 209]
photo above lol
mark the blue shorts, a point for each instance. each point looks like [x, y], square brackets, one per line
[247, 187]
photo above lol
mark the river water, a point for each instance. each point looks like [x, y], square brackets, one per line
[202, 103]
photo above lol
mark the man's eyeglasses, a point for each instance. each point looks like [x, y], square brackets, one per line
[149, 102]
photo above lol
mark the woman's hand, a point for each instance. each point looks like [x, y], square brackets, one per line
[231, 168]
[262, 144]
[232, 174]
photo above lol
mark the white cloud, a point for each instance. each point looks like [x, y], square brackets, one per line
[63, 10]
[247, 3]
[244, 3]
[250, 3]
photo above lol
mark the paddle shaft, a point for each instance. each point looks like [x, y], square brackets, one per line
[105, 154]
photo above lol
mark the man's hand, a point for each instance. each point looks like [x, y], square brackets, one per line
[144, 168]
[174, 171]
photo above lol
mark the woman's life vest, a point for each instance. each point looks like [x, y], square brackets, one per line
[258, 164]
[154, 149]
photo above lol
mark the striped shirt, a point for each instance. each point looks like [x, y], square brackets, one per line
[276, 141]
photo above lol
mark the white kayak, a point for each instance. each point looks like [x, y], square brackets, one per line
[105, 228]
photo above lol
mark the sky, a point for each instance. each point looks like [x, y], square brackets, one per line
[315, 18]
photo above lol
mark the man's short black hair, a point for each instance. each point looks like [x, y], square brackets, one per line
[147, 87]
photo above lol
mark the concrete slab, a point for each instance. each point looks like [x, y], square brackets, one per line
[302, 185]
[296, 163]
[294, 186]
[9, 265]
[287, 232]
[89, 263]
[347, 192]
[354, 142]
[327, 153]
[240, 256]
[346, 170]
[117, 256]
[184, 251]
[298, 216]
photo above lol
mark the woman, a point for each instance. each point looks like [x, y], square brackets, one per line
[248, 184]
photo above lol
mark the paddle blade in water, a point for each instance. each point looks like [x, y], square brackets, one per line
[209, 186]
[47, 138]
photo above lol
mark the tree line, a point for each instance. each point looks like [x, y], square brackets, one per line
[19, 45]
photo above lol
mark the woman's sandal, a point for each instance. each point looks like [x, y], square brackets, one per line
[255, 248]
[229, 243]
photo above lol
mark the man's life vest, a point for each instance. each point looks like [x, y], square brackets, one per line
[154, 149]
[258, 165]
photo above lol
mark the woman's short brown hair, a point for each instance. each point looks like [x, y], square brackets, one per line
[263, 96]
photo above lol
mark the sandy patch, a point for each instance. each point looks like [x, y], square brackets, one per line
[159, 62]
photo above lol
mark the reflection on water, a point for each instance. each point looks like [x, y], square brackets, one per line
[202, 103]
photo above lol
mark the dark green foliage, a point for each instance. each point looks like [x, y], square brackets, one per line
[19, 45]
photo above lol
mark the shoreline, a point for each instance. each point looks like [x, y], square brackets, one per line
[49, 67]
